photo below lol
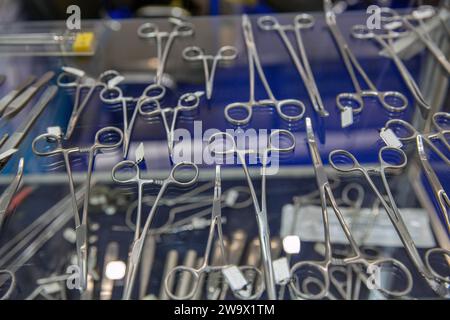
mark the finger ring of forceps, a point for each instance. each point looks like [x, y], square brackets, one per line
[47, 145]
[281, 106]
[225, 54]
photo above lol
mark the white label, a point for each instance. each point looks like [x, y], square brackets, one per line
[234, 278]
[139, 153]
[231, 198]
[291, 244]
[347, 117]
[390, 138]
[380, 232]
[115, 81]
[70, 235]
[281, 270]
[74, 71]
[55, 131]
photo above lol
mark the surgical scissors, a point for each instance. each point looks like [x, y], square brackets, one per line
[274, 146]
[150, 30]
[206, 268]
[301, 21]
[321, 268]
[114, 95]
[393, 101]
[254, 62]
[75, 78]
[420, 14]
[175, 178]
[48, 144]
[8, 194]
[384, 39]
[225, 54]
[392, 159]
[151, 107]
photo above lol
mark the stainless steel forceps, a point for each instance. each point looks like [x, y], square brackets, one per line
[393, 159]
[75, 78]
[281, 106]
[301, 62]
[393, 101]
[8, 194]
[121, 174]
[321, 268]
[150, 30]
[206, 267]
[223, 143]
[47, 145]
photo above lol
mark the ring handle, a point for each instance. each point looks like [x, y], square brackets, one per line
[192, 53]
[361, 32]
[109, 134]
[179, 180]
[428, 254]
[12, 286]
[180, 270]
[233, 107]
[343, 161]
[293, 103]
[439, 118]
[404, 130]
[148, 30]
[353, 98]
[107, 75]
[302, 291]
[51, 141]
[116, 92]
[227, 53]
[268, 23]
[386, 96]
[347, 199]
[304, 21]
[154, 91]
[67, 80]
[189, 101]
[393, 158]
[151, 112]
[184, 29]
[126, 164]
[229, 146]
[280, 133]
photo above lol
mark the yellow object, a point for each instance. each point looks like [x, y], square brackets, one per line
[83, 42]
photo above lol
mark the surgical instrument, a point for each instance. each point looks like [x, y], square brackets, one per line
[12, 284]
[321, 267]
[420, 14]
[391, 159]
[148, 258]
[175, 178]
[405, 132]
[275, 146]
[206, 268]
[392, 101]
[8, 194]
[114, 95]
[22, 99]
[195, 54]
[183, 284]
[187, 102]
[301, 62]
[10, 146]
[150, 30]
[13, 94]
[441, 196]
[75, 78]
[48, 144]
[255, 63]
[384, 39]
